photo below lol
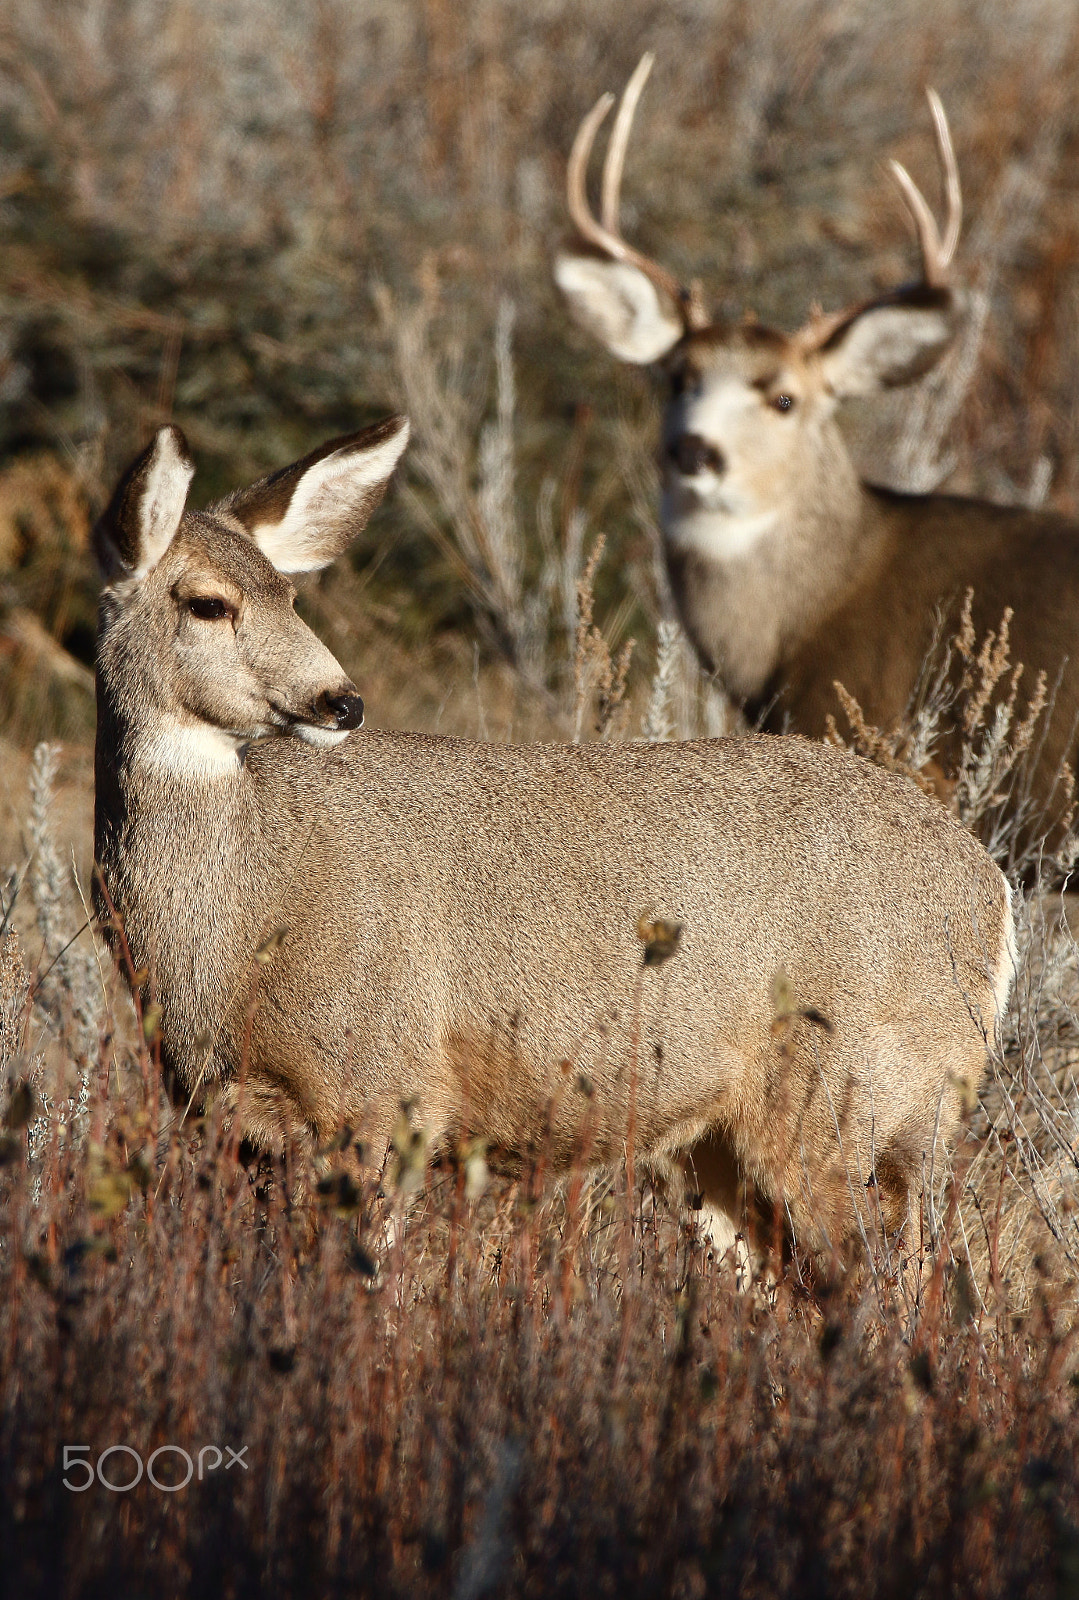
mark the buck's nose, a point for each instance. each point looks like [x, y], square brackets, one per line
[345, 709]
[692, 454]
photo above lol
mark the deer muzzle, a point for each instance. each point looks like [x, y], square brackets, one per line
[691, 455]
[343, 711]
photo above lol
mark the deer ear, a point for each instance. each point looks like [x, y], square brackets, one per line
[890, 342]
[304, 516]
[620, 306]
[138, 524]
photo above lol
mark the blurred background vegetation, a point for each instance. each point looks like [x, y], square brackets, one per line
[274, 223]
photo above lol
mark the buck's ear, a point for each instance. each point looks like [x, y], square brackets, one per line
[890, 342]
[138, 524]
[304, 516]
[620, 306]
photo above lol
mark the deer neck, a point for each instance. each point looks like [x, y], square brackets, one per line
[173, 825]
[153, 767]
[752, 588]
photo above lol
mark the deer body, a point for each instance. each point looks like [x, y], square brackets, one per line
[788, 571]
[783, 622]
[457, 924]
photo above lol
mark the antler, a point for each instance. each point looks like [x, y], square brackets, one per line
[937, 253]
[606, 234]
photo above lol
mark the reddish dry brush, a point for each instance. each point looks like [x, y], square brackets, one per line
[534, 1391]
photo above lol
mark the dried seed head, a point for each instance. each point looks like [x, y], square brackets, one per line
[659, 936]
[410, 1147]
[968, 1093]
[340, 1141]
[473, 1154]
[140, 1169]
[109, 1187]
[339, 1193]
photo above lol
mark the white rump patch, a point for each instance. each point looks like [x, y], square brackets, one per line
[322, 738]
[164, 497]
[191, 750]
[330, 494]
[620, 306]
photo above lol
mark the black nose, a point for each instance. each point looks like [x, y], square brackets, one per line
[345, 709]
[691, 454]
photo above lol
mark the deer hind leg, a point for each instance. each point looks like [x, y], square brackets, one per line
[714, 1184]
[913, 1152]
[266, 1114]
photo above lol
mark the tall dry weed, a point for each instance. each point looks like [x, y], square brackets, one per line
[967, 737]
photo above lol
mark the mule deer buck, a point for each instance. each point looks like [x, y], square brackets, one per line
[335, 922]
[790, 573]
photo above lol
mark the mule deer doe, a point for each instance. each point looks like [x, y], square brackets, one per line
[790, 574]
[336, 922]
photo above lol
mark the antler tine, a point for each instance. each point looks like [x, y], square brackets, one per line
[952, 190]
[925, 225]
[606, 234]
[576, 195]
[616, 149]
[936, 254]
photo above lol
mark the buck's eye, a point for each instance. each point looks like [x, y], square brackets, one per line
[782, 402]
[208, 608]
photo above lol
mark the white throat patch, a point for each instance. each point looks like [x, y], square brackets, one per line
[707, 531]
[191, 750]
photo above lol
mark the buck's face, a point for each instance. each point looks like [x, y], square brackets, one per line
[750, 440]
[748, 432]
[200, 644]
[742, 426]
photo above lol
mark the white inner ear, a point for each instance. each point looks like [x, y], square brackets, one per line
[887, 344]
[620, 306]
[163, 499]
[329, 504]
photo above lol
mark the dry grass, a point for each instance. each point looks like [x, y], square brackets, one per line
[510, 1391]
[966, 739]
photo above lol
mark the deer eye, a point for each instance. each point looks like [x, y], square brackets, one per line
[208, 608]
[782, 402]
